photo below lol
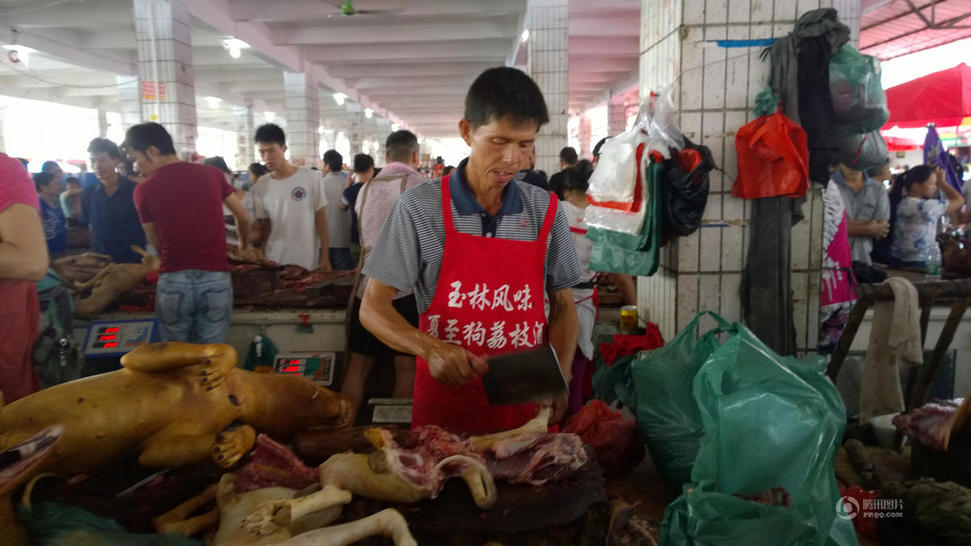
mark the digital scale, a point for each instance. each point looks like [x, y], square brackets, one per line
[318, 367]
[114, 338]
[107, 341]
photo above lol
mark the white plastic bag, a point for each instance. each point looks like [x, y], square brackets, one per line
[615, 176]
[619, 220]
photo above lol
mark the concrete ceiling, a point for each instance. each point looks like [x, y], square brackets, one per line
[410, 61]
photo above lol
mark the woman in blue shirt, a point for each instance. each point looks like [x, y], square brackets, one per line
[55, 227]
[917, 213]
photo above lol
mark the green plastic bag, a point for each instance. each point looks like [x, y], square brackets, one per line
[632, 254]
[58, 524]
[859, 103]
[769, 421]
[667, 413]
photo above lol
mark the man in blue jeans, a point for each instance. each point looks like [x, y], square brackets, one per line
[180, 208]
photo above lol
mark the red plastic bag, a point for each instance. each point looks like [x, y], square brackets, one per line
[773, 159]
[616, 440]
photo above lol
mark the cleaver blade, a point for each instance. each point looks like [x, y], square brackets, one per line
[532, 375]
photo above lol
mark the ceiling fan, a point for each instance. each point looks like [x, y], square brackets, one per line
[347, 8]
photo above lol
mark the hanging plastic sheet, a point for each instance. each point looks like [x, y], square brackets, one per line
[773, 158]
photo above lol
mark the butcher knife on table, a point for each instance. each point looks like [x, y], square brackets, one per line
[524, 376]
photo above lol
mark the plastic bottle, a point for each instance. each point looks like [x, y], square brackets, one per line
[932, 267]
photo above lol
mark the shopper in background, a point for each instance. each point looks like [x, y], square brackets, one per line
[180, 207]
[255, 171]
[108, 207]
[23, 262]
[568, 158]
[339, 221]
[70, 201]
[363, 171]
[531, 176]
[574, 204]
[291, 206]
[373, 205]
[915, 224]
[55, 226]
[867, 209]
[54, 170]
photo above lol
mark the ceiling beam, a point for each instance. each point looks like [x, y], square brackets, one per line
[477, 50]
[407, 69]
[63, 49]
[101, 14]
[426, 31]
[610, 47]
[411, 83]
[296, 10]
[229, 73]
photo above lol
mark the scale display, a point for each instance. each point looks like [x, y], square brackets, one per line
[113, 338]
[318, 367]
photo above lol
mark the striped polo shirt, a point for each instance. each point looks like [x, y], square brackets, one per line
[408, 252]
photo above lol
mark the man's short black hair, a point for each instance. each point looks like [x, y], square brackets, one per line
[505, 92]
[72, 180]
[270, 132]
[99, 145]
[569, 155]
[144, 135]
[334, 160]
[42, 179]
[599, 146]
[577, 178]
[400, 146]
[258, 169]
[218, 162]
[49, 166]
[363, 163]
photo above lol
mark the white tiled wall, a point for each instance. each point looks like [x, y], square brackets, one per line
[243, 115]
[165, 56]
[302, 101]
[715, 94]
[547, 20]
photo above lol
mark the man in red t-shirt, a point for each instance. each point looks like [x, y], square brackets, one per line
[23, 261]
[180, 208]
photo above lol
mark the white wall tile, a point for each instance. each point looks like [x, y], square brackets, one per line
[687, 299]
[694, 12]
[688, 253]
[731, 303]
[709, 293]
[715, 12]
[739, 10]
[785, 10]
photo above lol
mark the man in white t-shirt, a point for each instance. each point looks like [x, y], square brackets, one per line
[291, 206]
[338, 219]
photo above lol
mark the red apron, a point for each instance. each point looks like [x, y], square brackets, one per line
[489, 300]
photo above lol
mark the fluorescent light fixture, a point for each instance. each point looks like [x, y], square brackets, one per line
[368, 113]
[395, 127]
[339, 98]
[525, 36]
[235, 47]
[269, 116]
[213, 102]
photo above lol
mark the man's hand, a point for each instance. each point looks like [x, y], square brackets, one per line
[879, 229]
[559, 408]
[325, 263]
[453, 365]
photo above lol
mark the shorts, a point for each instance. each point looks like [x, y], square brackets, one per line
[364, 342]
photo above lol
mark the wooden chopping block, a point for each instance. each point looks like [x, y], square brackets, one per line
[519, 508]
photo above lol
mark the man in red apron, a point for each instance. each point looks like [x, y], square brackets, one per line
[480, 251]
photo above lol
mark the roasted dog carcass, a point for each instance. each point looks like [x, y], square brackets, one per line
[171, 405]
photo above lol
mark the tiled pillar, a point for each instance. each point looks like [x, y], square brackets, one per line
[585, 130]
[245, 131]
[162, 30]
[616, 117]
[302, 102]
[714, 98]
[3, 144]
[355, 131]
[129, 100]
[102, 122]
[547, 20]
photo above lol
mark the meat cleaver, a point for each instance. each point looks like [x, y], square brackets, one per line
[524, 376]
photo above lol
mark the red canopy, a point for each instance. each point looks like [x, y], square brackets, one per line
[942, 98]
